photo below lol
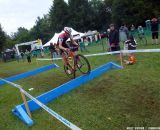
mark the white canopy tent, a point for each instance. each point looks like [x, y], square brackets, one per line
[76, 35]
[37, 44]
[53, 40]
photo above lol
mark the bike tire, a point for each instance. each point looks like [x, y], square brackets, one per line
[72, 75]
[85, 67]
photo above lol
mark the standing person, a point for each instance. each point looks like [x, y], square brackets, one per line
[53, 50]
[22, 55]
[28, 54]
[113, 37]
[114, 41]
[4, 56]
[123, 33]
[82, 45]
[17, 56]
[107, 35]
[140, 30]
[133, 29]
[154, 29]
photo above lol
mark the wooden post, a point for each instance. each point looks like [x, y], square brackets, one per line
[26, 104]
[121, 58]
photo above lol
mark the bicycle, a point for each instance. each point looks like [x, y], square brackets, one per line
[73, 62]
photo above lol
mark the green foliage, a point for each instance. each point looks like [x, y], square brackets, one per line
[79, 11]
[9, 42]
[22, 35]
[84, 15]
[100, 18]
[41, 30]
[133, 11]
[2, 38]
[58, 15]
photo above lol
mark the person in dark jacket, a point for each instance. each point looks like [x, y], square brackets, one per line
[154, 29]
[28, 54]
[113, 38]
[131, 43]
[22, 55]
[53, 50]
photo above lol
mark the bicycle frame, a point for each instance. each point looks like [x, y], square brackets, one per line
[70, 56]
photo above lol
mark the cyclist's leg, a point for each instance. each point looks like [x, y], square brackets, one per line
[63, 57]
[75, 52]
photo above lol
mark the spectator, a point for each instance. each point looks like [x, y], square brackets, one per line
[140, 30]
[22, 55]
[154, 29]
[17, 56]
[28, 54]
[4, 56]
[53, 50]
[133, 30]
[131, 45]
[123, 32]
[82, 45]
[42, 52]
[113, 39]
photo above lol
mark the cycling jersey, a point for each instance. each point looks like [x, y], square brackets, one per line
[63, 38]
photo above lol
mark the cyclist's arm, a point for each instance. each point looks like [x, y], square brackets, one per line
[73, 42]
[60, 45]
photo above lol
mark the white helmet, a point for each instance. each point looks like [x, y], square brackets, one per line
[68, 30]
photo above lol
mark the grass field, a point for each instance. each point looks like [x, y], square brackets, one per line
[114, 101]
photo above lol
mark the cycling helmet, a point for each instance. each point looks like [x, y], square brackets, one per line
[68, 30]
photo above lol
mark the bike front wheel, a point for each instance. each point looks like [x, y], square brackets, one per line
[83, 64]
[69, 71]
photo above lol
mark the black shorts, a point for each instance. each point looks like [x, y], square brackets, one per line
[131, 48]
[74, 48]
[154, 35]
[117, 48]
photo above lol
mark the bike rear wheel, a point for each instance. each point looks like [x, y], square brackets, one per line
[83, 64]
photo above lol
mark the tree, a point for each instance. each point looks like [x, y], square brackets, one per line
[79, 14]
[100, 15]
[2, 38]
[22, 35]
[58, 15]
[9, 42]
[133, 11]
[41, 29]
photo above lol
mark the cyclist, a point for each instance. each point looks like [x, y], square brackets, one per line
[62, 43]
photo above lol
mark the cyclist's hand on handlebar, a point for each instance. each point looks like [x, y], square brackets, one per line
[67, 50]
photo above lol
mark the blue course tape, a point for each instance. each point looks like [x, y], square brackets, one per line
[53, 94]
[29, 73]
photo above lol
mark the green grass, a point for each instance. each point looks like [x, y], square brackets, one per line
[113, 101]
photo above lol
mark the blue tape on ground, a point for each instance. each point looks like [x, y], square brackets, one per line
[53, 94]
[29, 73]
